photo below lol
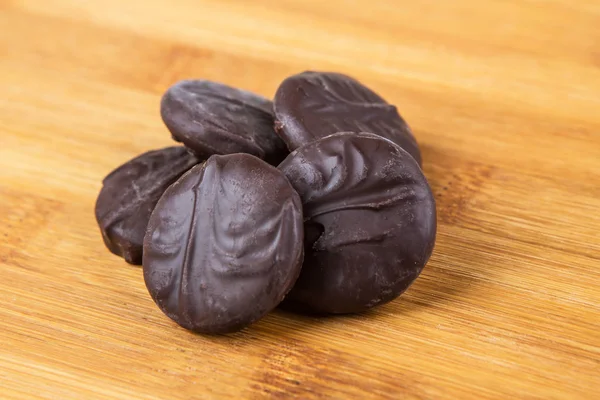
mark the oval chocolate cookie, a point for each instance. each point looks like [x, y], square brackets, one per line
[212, 118]
[224, 244]
[370, 222]
[129, 194]
[312, 105]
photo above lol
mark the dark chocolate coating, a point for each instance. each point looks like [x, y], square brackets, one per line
[212, 118]
[370, 222]
[224, 244]
[312, 105]
[129, 194]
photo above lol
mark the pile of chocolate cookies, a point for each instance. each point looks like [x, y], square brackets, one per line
[315, 201]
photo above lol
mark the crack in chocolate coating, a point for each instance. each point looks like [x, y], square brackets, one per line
[129, 194]
[212, 118]
[312, 105]
[224, 244]
[370, 222]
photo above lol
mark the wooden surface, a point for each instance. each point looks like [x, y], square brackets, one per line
[504, 98]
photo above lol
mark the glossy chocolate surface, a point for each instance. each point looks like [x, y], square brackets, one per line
[312, 105]
[212, 118]
[370, 222]
[224, 244]
[129, 194]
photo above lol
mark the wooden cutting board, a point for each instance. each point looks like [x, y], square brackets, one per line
[504, 98]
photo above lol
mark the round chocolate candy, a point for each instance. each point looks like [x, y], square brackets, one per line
[212, 118]
[370, 222]
[312, 105]
[129, 195]
[224, 244]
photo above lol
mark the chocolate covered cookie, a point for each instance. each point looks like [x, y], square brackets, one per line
[224, 244]
[312, 105]
[129, 194]
[370, 222]
[212, 118]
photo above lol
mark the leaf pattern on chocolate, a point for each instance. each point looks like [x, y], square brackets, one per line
[370, 218]
[129, 194]
[347, 177]
[226, 232]
[312, 105]
[213, 118]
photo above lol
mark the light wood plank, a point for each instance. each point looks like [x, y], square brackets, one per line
[503, 97]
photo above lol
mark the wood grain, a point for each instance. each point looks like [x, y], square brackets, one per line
[504, 97]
